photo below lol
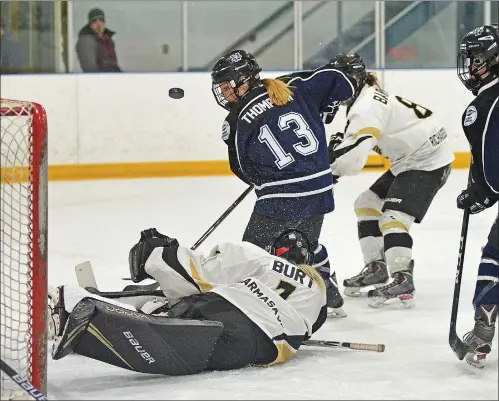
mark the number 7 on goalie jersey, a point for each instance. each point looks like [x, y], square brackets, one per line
[288, 302]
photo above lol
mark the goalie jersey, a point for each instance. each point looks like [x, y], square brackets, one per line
[286, 301]
[283, 149]
[406, 133]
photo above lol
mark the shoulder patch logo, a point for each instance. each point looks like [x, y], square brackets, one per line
[225, 130]
[471, 115]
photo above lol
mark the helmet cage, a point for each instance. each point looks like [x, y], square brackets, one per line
[226, 103]
[478, 54]
[233, 70]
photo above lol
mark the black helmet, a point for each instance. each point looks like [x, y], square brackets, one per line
[478, 51]
[235, 69]
[352, 65]
[293, 245]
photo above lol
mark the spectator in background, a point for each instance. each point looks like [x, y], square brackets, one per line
[10, 53]
[95, 46]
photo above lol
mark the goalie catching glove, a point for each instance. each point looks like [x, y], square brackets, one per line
[140, 252]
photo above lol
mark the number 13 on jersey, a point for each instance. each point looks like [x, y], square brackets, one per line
[297, 123]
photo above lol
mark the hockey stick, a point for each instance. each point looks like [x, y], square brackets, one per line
[339, 344]
[84, 272]
[86, 279]
[85, 276]
[24, 383]
[222, 217]
[457, 345]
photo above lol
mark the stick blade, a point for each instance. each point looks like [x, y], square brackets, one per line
[457, 345]
[85, 275]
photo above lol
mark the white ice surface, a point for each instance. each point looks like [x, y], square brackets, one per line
[100, 220]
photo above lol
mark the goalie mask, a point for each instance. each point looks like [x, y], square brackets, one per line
[230, 73]
[478, 55]
[293, 245]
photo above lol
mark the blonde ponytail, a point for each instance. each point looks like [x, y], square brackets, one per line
[313, 274]
[278, 91]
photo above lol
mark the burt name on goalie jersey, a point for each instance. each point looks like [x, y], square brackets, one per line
[235, 306]
[288, 271]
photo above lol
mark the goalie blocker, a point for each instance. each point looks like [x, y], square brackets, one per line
[202, 332]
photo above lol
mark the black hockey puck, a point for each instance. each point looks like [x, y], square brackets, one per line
[176, 93]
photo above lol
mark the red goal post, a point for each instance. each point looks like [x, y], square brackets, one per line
[23, 264]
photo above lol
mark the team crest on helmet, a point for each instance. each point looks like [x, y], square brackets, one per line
[234, 58]
[478, 31]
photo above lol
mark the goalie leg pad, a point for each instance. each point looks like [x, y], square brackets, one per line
[75, 327]
[241, 343]
[147, 344]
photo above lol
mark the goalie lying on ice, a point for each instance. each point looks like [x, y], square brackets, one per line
[238, 305]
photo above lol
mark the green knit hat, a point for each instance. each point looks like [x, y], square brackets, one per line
[95, 14]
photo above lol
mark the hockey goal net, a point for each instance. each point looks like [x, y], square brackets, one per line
[23, 238]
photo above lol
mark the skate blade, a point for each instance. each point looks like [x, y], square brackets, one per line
[406, 301]
[354, 292]
[361, 291]
[52, 326]
[336, 313]
[476, 360]
[52, 316]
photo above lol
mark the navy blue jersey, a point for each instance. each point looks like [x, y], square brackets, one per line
[283, 149]
[481, 127]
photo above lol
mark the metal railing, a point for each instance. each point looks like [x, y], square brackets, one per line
[382, 26]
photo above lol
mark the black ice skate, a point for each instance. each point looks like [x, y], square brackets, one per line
[334, 298]
[479, 340]
[374, 273]
[402, 288]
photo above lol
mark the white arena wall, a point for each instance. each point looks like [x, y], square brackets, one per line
[129, 118]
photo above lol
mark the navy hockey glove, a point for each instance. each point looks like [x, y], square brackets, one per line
[469, 199]
[140, 252]
[334, 142]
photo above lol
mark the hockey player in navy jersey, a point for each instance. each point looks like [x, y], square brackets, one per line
[478, 70]
[276, 141]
